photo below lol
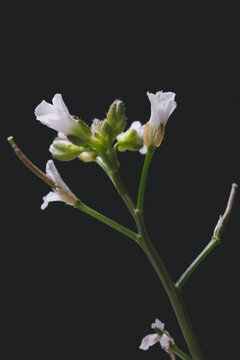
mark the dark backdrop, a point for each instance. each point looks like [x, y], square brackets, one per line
[72, 287]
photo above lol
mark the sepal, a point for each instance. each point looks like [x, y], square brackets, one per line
[62, 149]
[116, 118]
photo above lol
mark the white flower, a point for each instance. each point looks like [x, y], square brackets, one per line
[56, 116]
[61, 192]
[136, 125]
[165, 339]
[162, 106]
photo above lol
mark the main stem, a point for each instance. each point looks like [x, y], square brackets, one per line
[173, 292]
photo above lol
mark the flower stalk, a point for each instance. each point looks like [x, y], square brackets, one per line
[145, 243]
[143, 181]
[215, 240]
[29, 164]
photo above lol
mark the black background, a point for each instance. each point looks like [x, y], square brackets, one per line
[72, 287]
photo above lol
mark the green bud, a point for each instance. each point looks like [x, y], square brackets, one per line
[62, 149]
[100, 130]
[129, 140]
[116, 118]
[82, 136]
[87, 156]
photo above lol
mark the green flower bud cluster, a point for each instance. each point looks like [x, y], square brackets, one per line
[99, 141]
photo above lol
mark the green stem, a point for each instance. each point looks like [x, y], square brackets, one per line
[179, 352]
[218, 231]
[172, 291]
[174, 347]
[143, 181]
[117, 182]
[122, 229]
[210, 246]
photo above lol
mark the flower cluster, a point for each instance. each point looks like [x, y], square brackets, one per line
[77, 139]
[99, 141]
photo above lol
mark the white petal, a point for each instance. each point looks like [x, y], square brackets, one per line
[136, 125]
[143, 150]
[167, 96]
[164, 341]
[44, 108]
[59, 103]
[51, 196]
[159, 93]
[162, 105]
[62, 190]
[148, 341]
[160, 325]
[61, 135]
[56, 116]
[53, 173]
[169, 104]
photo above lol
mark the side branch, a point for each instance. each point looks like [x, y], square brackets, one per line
[29, 164]
[215, 240]
[223, 219]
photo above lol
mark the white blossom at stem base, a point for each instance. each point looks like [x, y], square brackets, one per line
[61, 191]
[164, 339]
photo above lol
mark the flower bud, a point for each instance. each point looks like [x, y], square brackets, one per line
[116, 117]
[83, 134]
[100, 130]
[129, 140]
[87, 156]
[62, 149]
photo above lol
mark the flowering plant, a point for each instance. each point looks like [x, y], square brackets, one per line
[99, 143]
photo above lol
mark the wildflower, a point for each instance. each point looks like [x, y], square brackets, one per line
[61, 191]
[161, 336]
[57, 117]
[162, 106]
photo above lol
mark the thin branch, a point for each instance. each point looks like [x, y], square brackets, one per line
[106, 220]
[215, 240]
[29, 164]
[223, 219]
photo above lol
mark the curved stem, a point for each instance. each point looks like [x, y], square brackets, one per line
[143, 181]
